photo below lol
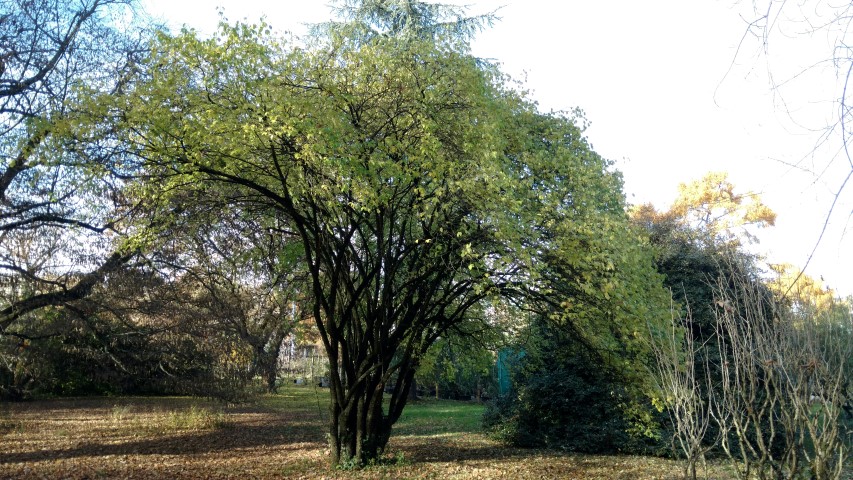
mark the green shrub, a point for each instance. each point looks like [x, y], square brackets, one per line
[563, 398]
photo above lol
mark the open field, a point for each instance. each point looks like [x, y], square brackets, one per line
[280, 436]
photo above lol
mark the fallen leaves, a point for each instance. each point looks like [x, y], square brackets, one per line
[278, 437]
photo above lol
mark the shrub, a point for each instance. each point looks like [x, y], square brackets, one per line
[563, 398]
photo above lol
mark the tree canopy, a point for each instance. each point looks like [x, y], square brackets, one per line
[417, 184]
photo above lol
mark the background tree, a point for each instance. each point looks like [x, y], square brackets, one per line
[130, 335]
[700, 239]
[59, 199]
[713, 206]
[438, 23]
[460, 365]
[699, 248]
[241, 274]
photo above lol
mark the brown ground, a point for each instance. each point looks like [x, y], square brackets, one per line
[167, 438]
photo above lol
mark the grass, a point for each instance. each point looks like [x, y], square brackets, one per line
[430, 417]
[278, 436]
[196, 418]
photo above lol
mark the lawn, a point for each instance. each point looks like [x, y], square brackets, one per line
[278, 436]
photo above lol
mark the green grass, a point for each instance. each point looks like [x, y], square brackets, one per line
[298, 398]
[431, 417]
[424, 417]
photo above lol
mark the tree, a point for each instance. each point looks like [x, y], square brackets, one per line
[60, 181]
[362, 154]
[241, 274]
[699, 239]
[405, 20]
[698, 249]
[416, 184]
[61, 172]
[712, 206]
[459, 365]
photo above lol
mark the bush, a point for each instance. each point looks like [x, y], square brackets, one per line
[100, 356]
[563, 398]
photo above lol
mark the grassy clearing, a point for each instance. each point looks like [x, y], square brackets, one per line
[281, 436]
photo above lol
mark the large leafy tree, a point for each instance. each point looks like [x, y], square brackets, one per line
[701, 239]
[416, 185]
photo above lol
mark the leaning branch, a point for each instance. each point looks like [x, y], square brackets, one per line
[79, 291]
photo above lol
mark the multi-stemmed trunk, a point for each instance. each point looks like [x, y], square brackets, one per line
[360, 425]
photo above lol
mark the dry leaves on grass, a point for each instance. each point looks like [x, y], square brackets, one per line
[280, 437]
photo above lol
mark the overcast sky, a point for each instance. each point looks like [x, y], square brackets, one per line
[669, 97]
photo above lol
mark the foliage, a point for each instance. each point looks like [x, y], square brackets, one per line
[241, 275]
[699, 241]
[415, 185]
[712, 205]
[459, 366]
[565, 397]
[135, 334]
[692, 258]
[805, 294]
[442, 24]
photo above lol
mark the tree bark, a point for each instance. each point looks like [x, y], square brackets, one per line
[268, 368]
[413, 390]
[360, 428]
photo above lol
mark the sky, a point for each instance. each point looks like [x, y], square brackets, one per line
[672, 89]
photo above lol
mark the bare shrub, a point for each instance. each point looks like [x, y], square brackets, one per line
[783, 385]
[681, 384]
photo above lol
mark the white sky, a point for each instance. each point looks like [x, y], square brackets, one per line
[667, 98]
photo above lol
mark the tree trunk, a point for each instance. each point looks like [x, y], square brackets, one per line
[270, 375]
[361, 428]
[267, 367]
[413, 390]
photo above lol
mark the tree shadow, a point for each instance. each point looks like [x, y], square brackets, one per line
[245, 428]
[185, 443]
